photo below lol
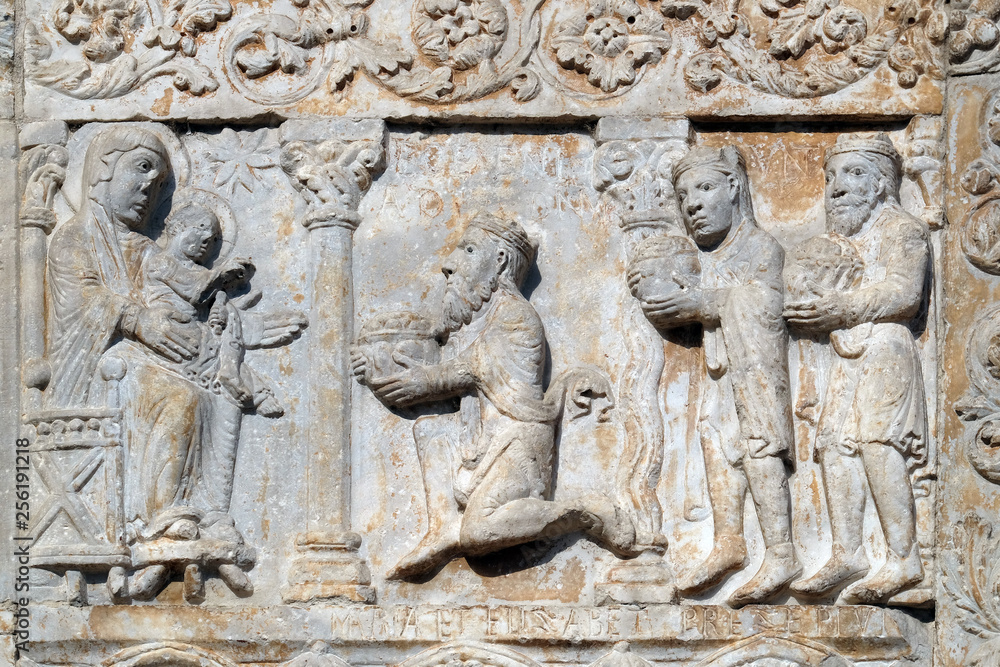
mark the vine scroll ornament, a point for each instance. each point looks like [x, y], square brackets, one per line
[815, 47]
[119, 45]
[980, 235]
[465, 50]
[971, 570]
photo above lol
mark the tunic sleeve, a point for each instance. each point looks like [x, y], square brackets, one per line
[896, 298]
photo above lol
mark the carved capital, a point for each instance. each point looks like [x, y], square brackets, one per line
[332, 172]
[632, 166]
[42, 170]
[923, 151]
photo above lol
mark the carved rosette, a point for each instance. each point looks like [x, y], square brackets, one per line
[981, 179]
[609, 42]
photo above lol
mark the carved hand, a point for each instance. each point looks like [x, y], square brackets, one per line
[827, 313]
[359, 364]
[236, 271]
[404, 388]
[681, 307]
[272, 329]
[166, 331]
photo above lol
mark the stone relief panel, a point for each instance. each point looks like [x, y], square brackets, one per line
[389, 387]
[502, 332]
[210, 58]
[966, 529]
[793, 410]
[136, 373]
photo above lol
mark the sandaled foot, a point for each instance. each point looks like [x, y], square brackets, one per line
[434, 550]
[729, 554]
[779, 568]
[896, 575]
[840, 570]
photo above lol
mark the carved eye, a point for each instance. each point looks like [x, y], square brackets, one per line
[705, 187]
[469, 249]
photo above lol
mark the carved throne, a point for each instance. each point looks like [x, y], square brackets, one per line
[77, 517]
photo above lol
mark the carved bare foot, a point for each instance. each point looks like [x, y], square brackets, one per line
[147, 582]
[841, 569]
[236, 579]
[435, 549]
[896, 575]
[729, 553]
[780, 567]
[612, 527]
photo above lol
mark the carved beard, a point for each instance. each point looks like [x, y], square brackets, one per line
[846, 214]
[463, 300]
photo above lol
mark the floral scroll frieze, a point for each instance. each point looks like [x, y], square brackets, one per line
[980, 237]
[109, 48]
[971, 577]
[454, 51]
[465, 50]
[815, 48]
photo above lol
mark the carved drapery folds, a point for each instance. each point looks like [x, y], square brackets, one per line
[134, 411]
[332, 165]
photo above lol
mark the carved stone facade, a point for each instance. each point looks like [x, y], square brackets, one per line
[520, 333]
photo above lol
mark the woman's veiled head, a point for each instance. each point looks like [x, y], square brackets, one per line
[124, 169]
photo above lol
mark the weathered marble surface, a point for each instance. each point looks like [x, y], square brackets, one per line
[500, 332]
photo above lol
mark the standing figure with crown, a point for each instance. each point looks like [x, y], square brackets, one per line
[873, 424]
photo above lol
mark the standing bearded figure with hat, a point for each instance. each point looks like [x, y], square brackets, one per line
[487, 469]
[872, 424]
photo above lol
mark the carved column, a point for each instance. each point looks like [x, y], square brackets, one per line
[332, 165]
[632, 168]
[42, 170]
